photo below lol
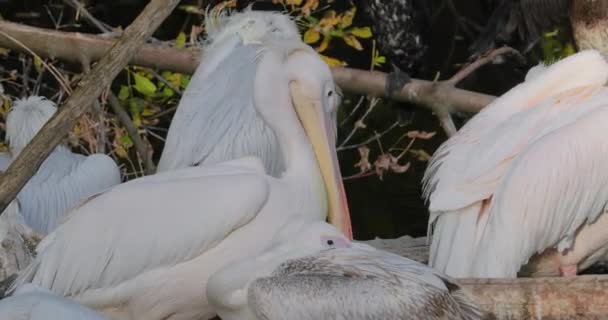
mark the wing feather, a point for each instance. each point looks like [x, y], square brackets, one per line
[38, 304]
[496, 151]
[453, 157]
[355, 283]
[557, 185]
[210, 127]
[103, 243]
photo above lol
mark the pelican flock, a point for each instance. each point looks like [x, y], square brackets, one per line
[234, 223]
[162, 236]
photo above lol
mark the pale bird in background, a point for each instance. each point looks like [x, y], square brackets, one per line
[525, 175]
[208, 128]
[34, 303]
[64, 180]
[146, 248]
[314, 272]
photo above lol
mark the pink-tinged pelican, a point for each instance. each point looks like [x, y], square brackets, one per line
[314, 272]
[209, 128]
[525, 175]
[146, 248]
[35, 303]
[64, 180]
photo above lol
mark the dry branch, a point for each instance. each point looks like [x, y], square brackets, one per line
[73, 46]
[582, 297]
[90, 87]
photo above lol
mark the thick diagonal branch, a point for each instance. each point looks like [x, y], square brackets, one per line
[89, 88]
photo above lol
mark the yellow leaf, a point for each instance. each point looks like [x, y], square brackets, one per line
[353, 42]
[180, 42]
[324, 44]
[363, 33]
[294, 2]
[37, 64]
[332, 62]
[347, 18]
[329, 19]
[311, 36]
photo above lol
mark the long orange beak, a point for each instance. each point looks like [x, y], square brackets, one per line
[319, 130]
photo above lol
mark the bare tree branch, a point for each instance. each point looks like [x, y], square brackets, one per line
[90, 87]
[71, 46]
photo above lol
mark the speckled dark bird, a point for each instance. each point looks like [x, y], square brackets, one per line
[523, 22]
[399, 28]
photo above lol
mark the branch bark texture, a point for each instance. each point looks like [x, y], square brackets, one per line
[89, 88]
[581, 297]
[73, 46]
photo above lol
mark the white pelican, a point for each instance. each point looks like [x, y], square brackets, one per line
[316, 273]
[64, 179]
[145, 248]
[524, 175]
[35, 303]
[208, 128]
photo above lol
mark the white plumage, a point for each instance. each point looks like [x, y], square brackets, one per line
[145, 248]
[315, 273]
[64, 179]
[35, 303]
[208, 128]
[517, 179]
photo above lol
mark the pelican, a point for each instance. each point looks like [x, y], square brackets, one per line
[64, 179]
[524, 176]
[146, 248]
[35, 303]
[208, 128]
[316, 273]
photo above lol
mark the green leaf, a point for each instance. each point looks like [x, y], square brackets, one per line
[125, 141]
[312, 20]
[167, 92]
[143, 85]
[363, 33]
[185, 81]
[180, 42]
[124, 93]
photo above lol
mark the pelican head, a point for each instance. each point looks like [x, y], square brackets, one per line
[25, 118]
[299, 78]
[250, 25]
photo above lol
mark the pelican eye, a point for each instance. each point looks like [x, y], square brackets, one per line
[330, 93]
[330, 242]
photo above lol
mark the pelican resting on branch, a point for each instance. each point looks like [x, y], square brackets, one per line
[34, 303]
[64, 179]
[524, 181]
[163, 235]
[314, 272]
[208, 128]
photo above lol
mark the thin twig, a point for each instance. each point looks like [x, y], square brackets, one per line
[142, 148]
[359, 123]
[352, 112]
[370, 139]
[478, 63]
[80, 9]
[165, 81]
